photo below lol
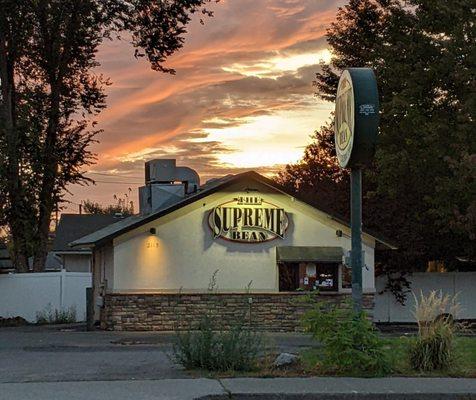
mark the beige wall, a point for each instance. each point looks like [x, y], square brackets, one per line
[183, 255]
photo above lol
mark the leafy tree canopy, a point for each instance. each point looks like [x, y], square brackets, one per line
[50, 94]
[122, 206]
[421, 189]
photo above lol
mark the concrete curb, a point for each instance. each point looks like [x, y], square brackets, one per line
[342, 396]
[330, 388]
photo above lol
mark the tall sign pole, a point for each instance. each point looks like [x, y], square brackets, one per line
[356, 236]
[356, 128]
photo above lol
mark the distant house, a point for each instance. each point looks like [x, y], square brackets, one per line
[72, 227]
[53, 262]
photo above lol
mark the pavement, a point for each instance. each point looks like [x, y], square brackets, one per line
[68, 363]
[50, 354]
[247, 389]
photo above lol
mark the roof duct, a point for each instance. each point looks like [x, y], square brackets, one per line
[165, 183]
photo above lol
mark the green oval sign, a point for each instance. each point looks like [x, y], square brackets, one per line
[356, 117]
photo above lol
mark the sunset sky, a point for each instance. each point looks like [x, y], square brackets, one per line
[242, 97]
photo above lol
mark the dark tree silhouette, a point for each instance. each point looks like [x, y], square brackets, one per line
[50, 95]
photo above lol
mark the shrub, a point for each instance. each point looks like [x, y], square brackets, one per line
[351, 343]
[433, 349]
[212, 349]
[50, 316]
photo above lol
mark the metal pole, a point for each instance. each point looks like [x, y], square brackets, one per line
[356, 236]
[89, 309]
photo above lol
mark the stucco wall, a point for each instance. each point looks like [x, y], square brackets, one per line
[183, 255]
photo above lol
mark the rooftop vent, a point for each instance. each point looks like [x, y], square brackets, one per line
[165, 183]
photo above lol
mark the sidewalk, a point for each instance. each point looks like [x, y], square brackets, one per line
[246, 389]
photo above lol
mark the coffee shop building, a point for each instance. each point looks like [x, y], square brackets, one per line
[239, 248]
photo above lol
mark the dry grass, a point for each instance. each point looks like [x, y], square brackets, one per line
[435, 314]
[435, 310]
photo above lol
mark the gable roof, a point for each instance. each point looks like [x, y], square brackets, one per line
[74, 226]
[112, 231]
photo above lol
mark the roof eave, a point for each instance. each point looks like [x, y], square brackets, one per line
[192, 199]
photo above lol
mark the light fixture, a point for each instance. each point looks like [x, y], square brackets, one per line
[153, 231]
[338, 233]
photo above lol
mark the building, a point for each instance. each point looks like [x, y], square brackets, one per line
[239, 246]
[72, 227]
[52, 262]
[6, 264]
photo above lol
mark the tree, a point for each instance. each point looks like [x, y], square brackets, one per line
[122, 206]
[420, 190]
[50, 95]
[318, 177]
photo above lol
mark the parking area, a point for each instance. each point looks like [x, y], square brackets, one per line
[55, 354]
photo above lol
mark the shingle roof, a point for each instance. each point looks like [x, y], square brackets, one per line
[111, 231]
[74, 226]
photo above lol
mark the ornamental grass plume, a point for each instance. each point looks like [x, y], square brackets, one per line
[435, 314]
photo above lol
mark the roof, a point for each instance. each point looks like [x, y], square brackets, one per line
[52, 262]
[309, 253]
[74, 226]
[127, 224]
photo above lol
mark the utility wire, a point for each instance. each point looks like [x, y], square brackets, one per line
[116, 182]
[116, 175]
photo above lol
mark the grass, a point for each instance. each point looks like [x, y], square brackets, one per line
[396, 350]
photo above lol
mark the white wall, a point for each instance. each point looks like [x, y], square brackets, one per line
[26, 294]
[184, 255]
[387, 309]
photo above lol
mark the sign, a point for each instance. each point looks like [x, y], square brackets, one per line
[248, 219]
[356, 117]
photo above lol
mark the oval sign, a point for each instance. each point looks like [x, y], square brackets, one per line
[356, 117]
[248, 219]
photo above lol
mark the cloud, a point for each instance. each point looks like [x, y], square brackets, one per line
[249, 68]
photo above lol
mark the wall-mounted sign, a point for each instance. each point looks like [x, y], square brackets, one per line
[356, 117]
[248, 219]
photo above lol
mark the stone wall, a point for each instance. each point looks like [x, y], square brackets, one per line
[278, 312]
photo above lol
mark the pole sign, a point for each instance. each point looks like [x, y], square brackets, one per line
[356, 128]
[356, 117]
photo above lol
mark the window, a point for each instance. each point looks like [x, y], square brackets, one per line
[308, 276]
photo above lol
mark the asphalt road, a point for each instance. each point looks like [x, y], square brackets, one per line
[45, 363]
[47, 354]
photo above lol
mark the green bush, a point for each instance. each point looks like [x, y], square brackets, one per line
[351, 343]
[433, 348]
[50, 316]
[214, 349]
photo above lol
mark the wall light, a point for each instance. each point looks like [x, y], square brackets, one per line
[153, 231]
[338, 233]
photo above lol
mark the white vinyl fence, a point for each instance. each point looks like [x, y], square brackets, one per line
[27, 294]
[387, 309]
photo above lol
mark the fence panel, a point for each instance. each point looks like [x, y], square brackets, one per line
[387, 309]
[25, 295]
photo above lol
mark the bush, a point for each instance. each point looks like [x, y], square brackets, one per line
[50, 316]
[351, 343]
[212, 349]
[433, 349]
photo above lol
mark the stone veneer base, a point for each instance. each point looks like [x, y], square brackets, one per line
[275, 312]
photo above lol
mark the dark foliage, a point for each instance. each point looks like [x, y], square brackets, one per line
[50, 95]
[421, 189]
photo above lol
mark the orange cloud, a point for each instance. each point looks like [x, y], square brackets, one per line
[249, 68]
